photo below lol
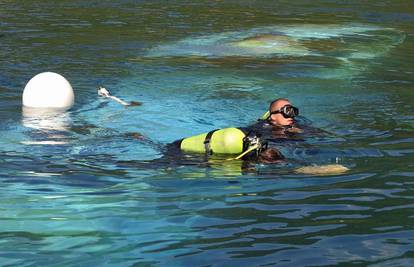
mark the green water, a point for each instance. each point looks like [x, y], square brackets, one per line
[77, 190]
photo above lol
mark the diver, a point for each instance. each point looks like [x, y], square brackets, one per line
[226, 144]
[245, 145]
[218, 147]
[227, 141]
[228, 149]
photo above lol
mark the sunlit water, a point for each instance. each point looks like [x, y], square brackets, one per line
[79, 190]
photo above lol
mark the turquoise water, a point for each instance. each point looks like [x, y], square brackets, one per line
[79, 190]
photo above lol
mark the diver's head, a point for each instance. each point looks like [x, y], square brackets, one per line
[282, 112]
[270, 155]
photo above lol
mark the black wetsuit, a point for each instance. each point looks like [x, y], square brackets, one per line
[274, 133]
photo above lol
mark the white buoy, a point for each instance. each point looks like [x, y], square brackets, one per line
[48, 90]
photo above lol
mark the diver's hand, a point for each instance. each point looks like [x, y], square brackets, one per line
[102, 91]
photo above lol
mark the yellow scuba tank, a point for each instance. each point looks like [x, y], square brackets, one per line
[223, 141]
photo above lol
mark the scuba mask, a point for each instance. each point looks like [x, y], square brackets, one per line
[287, 111]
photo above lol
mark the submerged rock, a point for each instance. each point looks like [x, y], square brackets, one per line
[324, 51]
[343, 41]
[272, 44]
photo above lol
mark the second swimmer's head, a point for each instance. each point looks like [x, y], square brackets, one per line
[267, 156]
[270, 155]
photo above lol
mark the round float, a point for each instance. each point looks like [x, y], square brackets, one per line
[48, 90]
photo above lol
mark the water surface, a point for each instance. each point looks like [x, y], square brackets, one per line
[79, 190]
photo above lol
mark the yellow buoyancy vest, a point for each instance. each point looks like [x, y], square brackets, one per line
[223, 141]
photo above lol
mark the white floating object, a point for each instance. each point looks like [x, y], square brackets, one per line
[48, 90]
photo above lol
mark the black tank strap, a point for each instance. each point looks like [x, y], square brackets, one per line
[207, 142]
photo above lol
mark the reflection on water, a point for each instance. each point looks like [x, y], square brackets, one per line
[50, 125]
[46, 119]
[99, 197]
